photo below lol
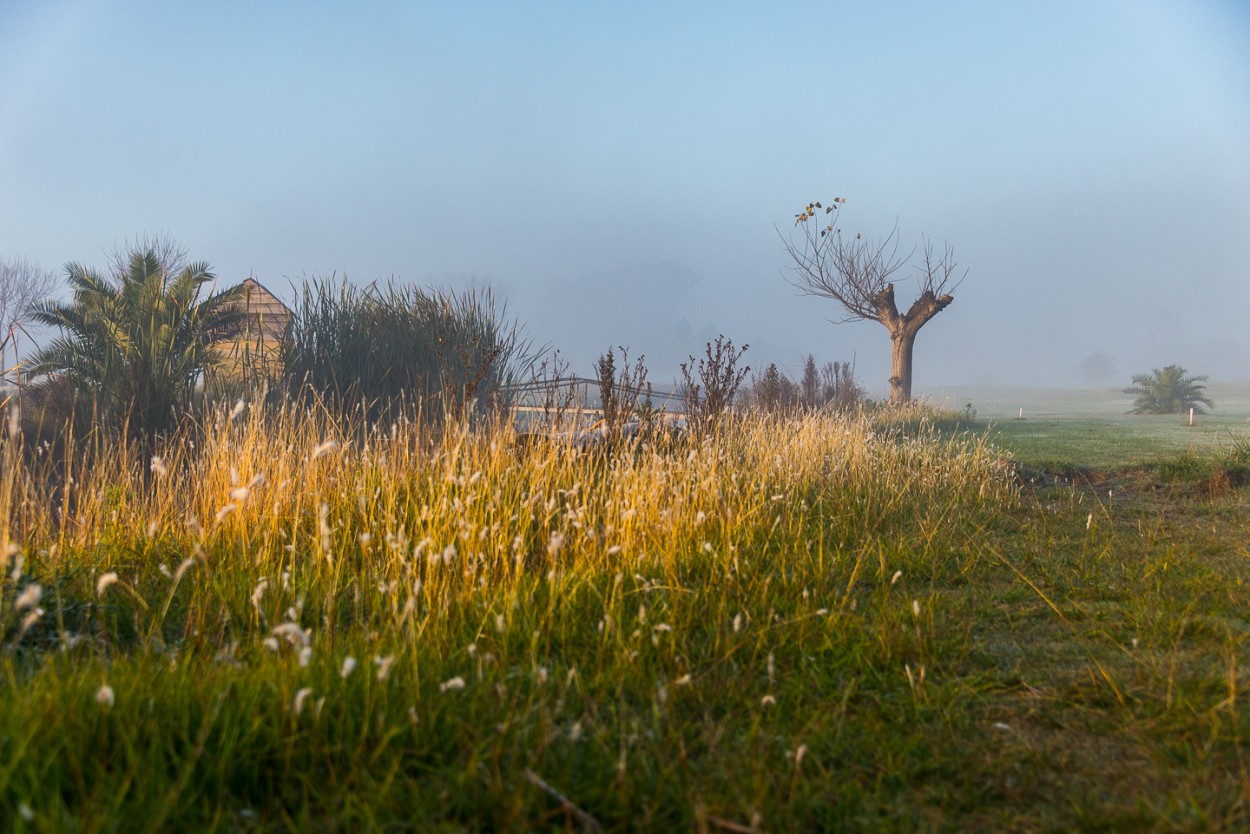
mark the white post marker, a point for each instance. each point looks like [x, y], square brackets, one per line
[1191, 416]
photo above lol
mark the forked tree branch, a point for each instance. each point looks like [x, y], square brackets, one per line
[856, 272]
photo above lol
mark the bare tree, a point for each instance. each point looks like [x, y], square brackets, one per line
[23, 284]
[838, 386]
[857, 273]
[171, 255]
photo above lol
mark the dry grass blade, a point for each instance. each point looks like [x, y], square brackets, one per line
[730, 825]
[565, 803]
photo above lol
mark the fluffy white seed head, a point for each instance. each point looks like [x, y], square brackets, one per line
[183, 568]
[323, 448]
[29, 597]
[451, 684]
[292, 633]
[103, 582]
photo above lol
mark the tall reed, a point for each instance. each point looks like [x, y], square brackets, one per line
[384, 346]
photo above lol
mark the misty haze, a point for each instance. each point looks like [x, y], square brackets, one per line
[718, 417]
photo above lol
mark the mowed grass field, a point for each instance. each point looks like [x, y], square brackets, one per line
[1091, 428]
[800, 623]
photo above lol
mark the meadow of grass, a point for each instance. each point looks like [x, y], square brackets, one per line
[812, 622]
[1092, 428]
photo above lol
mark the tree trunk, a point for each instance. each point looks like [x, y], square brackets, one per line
[902, 343]
[903, 330]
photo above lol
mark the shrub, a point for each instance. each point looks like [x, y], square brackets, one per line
[772, 390]
[839, 388]
[382, 347]
[710, 386]
[1170, 390]
[133, 345]
[832, 385]
[624, 392]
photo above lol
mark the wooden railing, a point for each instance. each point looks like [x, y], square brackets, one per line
[576, 399]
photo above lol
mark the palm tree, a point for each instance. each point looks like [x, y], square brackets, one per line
[1169, 391]
[135, 345]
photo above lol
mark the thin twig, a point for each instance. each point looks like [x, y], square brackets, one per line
[730, 825]
[565, 803]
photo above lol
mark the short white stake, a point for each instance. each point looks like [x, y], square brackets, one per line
[1191, 416]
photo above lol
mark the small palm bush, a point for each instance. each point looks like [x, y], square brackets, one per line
[1170, 390]
[386, 346]
[133, 346]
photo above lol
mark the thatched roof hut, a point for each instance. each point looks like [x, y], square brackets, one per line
[255, 353]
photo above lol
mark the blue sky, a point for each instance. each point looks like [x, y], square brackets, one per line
[619, 171]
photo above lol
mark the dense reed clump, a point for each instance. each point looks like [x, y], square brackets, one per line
[385, 346]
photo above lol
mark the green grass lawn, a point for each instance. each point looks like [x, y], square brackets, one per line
[1090, 429]
[1110, 442]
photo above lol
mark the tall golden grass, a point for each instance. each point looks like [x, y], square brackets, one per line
[290, 492]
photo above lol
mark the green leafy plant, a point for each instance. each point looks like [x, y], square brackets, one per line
[1170, 390]
[133, 345]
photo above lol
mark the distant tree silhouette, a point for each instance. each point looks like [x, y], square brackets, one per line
[1098, 367]
[809, 384]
